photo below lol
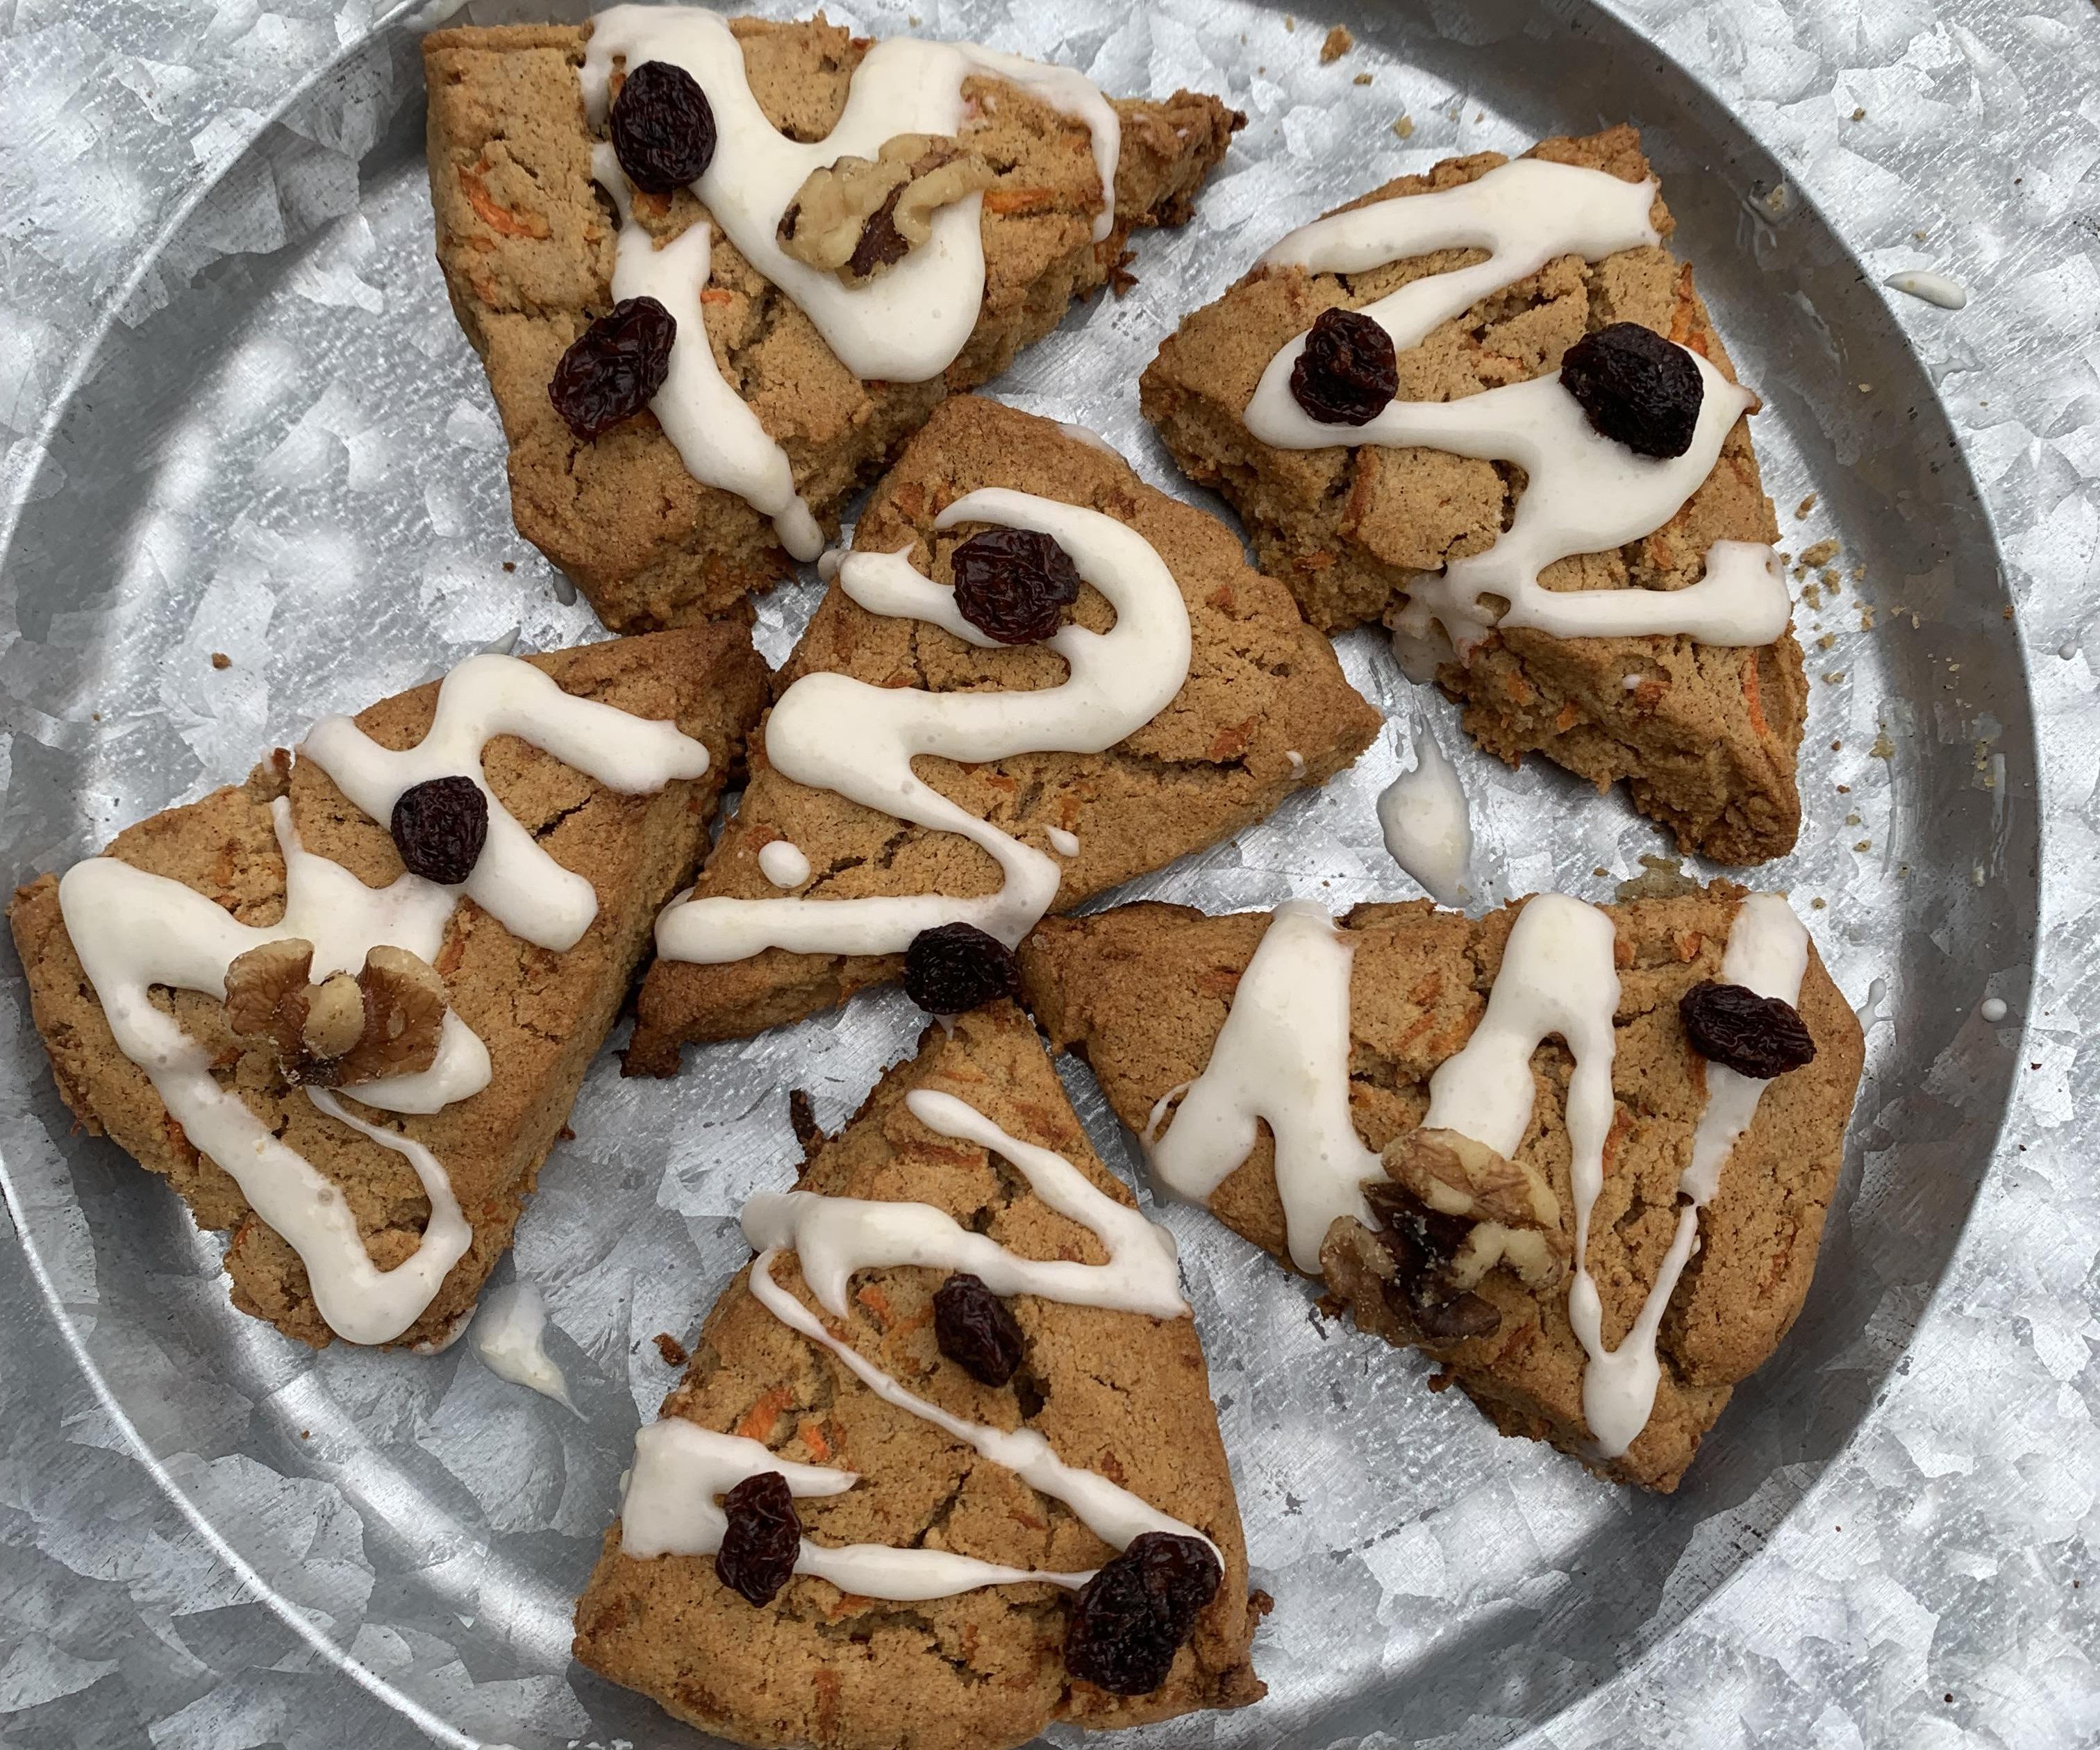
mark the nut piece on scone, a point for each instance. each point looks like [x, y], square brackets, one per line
[1467, 1253]
[278, 1042]
[527, 246]
[1706, 736]
[1121, 1394]
[857, 217]
[1265, 710]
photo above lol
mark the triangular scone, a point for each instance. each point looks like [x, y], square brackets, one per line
[1265, 710]
[1707, 735]
[1143, 992]
[1121, 1394]
[540, 1014]
[528, 245]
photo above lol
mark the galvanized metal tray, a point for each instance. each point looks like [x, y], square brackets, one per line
[278, 448]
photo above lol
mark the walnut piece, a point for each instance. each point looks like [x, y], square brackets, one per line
[1449, 1210]
[857, 217]
[344, 1030]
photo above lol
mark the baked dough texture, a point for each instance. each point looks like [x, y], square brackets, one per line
[1265, 711]
[526, 243]
[1141, 992]
[541, 1015]
[1709, 736]
[1119, 1393]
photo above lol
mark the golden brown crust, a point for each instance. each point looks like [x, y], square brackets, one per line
[526, 245]
[1119, 1393]
[1262, 687]
[1141, 992]
[1708, 738]
[541, 1015]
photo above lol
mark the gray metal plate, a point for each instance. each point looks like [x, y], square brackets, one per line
[282, 450]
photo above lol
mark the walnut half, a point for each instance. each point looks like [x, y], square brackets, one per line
[857, 217]
[1450, 1210]
[385, 1021]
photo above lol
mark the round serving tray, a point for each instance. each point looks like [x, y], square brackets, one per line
[283, 452]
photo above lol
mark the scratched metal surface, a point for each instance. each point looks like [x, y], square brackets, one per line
[238, 418]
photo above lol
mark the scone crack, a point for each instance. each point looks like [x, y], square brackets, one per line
[345, 1029]
[858, 217]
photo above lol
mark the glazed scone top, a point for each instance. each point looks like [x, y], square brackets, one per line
[135, 931]
[681, 1467]
[1584, 493]
[834, 732]
[1283, 1057]
[907, 325]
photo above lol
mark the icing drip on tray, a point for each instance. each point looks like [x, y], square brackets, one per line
[680, 1469]
[1282, 1058]
[1422, 816]
[134, 931]
[1584, 493]
[832, 732]
[508, 1334]
[906, 325]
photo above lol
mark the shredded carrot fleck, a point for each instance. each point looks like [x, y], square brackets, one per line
[870, 1295]
[812, 1437]
[1020, 200]
[715, 294]
[1568, 718]
[1750, 696]
[496, 216]
[758, 1420]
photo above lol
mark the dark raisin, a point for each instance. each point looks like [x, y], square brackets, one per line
[975, 1331]
[1014, 584]
[1348, 372]
[614, 369]
[663, 127]
[763, 1538]
[1636, 388]
[1757, 1036]
[954, 967]
[1131, 1617]
[1421, 1243]
[440, 827]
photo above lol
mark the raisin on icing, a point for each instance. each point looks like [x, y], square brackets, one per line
[974, 1330]
[663, 127]
[1636, 388]
[1014, 584]
[1348, 372]
[953, 968]
[614, 369]
[1132, 1618]
[439, 827]
[1731, 1024]
[762, 1539]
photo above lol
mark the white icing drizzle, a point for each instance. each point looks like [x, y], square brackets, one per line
[508, 1335]
[1768, 952]
[515, 881]
[907, 325]
[1065, 844]
[716, 435]
[1870, 1011]
[835, 1236]
[1283, 1057]
[1584, 493]
[1933, 287]
[1423, 815]
[783, 863]
[832, 732]
[134, 931]
[670, 1506]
